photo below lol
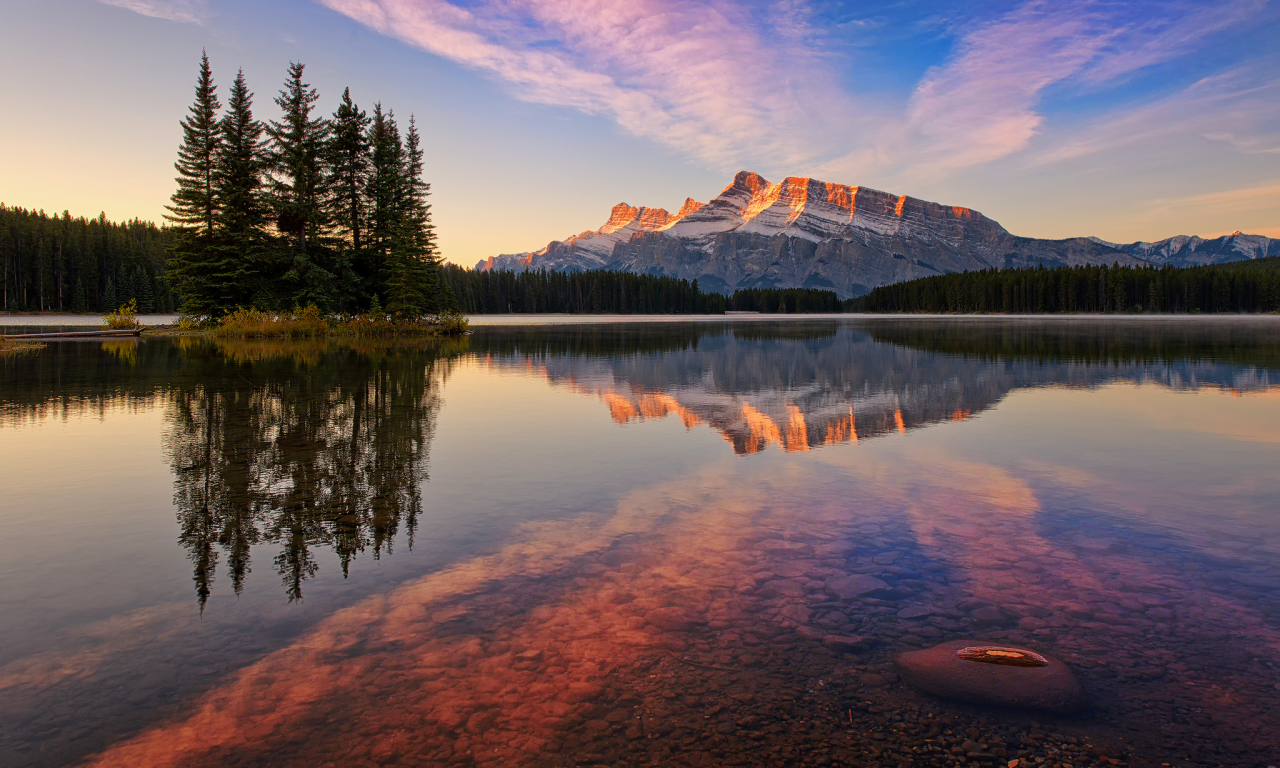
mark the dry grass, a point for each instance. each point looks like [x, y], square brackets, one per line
[257, 324]
[310, 322]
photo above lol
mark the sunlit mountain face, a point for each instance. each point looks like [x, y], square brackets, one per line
[827, 384]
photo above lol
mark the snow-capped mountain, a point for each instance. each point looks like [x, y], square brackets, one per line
[807, 233]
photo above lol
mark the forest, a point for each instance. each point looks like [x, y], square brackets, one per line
[1244, 286]
[603, 291]
[62, 263]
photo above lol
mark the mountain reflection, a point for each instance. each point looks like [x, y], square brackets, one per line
[826, 383]
[302, 447]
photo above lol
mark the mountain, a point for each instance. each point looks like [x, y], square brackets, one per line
[813, 234]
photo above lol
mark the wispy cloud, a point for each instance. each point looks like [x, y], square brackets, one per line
[760, 85]
[720, 82]
[984, 102]
[1240, 107]
[1264, 198]
[190, 11]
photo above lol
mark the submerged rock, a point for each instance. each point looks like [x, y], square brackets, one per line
[988, 673]
[850, 587]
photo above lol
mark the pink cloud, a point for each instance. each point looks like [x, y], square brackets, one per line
[189, 11]
[706, 78]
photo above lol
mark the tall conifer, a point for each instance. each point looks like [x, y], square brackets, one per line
[349, 164]
[193, 203]
[241, 223]
[384, 193]
[414, 284]
[299, 190]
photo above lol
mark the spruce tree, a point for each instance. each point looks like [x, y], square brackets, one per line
[384, 192]
[414, 284]
[194, 205]
[299, 191]
[242, 217]
[349, 165]
[348, 161]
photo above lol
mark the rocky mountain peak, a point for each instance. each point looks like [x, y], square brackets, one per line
[690, 206]
[817, 234]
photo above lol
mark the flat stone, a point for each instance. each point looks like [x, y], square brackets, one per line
[673, 619]
[848, 643]
[941, 671]
[989, 615]
[915, 612]
[849, 587]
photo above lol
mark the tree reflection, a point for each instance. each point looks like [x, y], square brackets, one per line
[301, 445]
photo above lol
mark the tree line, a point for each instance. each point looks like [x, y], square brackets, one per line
[62, 263]
[305, 209]
[604, 291]
[1250, 286]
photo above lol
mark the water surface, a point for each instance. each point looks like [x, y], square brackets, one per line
[622, 544]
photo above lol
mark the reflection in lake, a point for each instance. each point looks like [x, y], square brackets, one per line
[824, 383]
[601, 586]
[329, 450]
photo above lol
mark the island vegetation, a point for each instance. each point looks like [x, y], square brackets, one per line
[302, 217]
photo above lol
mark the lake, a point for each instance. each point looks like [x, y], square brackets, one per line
[616, 544]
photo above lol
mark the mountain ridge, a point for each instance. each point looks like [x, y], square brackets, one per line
[802, 232]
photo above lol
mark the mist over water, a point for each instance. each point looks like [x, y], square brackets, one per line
[632, 544]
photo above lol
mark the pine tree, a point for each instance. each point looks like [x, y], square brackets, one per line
[414, 283]
[349, 164]
[194, 205]
[299, 191]
[384, 192]
[241, 222]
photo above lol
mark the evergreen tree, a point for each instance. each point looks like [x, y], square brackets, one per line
[193, 203]
[348, 161]
[414, 284]
[349, 165]
[241, 250]
[384, 192]
[299, 192]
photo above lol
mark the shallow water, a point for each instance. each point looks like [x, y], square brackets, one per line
[625, 544]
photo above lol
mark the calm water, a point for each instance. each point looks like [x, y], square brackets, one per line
[615, 544]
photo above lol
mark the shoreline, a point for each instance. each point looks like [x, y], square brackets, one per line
[514, 319]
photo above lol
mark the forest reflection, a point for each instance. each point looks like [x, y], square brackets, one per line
[819, 383]
[303, 446]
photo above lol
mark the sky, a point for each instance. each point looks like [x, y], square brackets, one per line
[1122, 120]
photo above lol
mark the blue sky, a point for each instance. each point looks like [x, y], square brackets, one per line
[1125, 120]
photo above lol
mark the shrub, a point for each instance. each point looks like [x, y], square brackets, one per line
[451, 324]
[123, 318]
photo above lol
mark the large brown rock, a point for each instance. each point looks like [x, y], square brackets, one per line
[992, 673]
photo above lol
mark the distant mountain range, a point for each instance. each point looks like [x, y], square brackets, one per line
[813, 234]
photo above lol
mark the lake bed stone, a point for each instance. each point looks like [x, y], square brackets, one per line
[849, 587]
[989, 673]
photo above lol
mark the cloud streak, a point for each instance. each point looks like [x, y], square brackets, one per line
[187, 11]
[737, 85]
[983, 103]
[717, 81]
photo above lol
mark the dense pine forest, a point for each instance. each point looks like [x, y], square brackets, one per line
[1246, 286]
[302, 210]
[60, 263]
[603, 291]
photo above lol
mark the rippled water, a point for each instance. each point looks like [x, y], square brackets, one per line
[617, 544]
